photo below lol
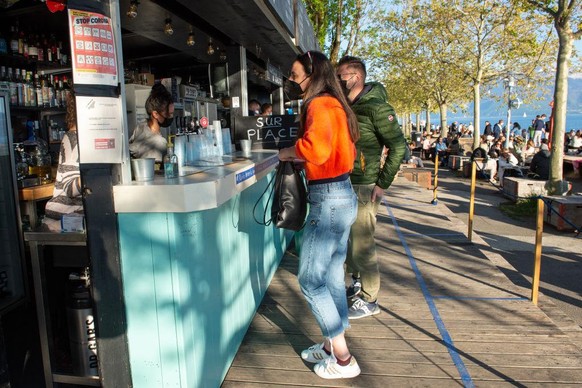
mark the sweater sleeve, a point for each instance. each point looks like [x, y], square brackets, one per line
[388, 131]
[315, 145]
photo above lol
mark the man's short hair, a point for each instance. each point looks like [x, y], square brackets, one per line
[353, 63]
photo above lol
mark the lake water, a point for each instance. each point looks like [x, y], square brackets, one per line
[573, 121]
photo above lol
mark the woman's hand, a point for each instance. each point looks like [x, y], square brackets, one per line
[287, 154]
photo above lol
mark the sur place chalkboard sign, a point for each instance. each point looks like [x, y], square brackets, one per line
[267, 132]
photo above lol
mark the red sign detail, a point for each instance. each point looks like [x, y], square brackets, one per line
[104, 144]
[204, 122]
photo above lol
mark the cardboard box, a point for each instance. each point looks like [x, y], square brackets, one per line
[146, 79]
[568, 207]
[422, 176]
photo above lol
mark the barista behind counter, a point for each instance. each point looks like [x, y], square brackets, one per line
[147, 140]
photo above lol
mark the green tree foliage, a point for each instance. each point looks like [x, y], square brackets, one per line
[337, 24]
[566, 17]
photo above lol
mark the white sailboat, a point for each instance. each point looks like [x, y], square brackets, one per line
[524, 115]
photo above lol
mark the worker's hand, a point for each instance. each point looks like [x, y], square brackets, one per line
[377, 194]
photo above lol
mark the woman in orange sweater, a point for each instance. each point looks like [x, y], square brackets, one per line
[327, 134]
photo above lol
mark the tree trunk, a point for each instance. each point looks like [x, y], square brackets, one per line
[427, 128]
[555, 184]
[337, 35]
[444, 126]
[476, 114]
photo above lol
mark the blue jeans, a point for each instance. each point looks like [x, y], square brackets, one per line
[332, 211]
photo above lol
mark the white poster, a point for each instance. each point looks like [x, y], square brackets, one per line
[99, 126]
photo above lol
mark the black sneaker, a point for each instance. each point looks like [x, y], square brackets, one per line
[354, 289]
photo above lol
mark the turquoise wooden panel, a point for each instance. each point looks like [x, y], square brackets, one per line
[192, 284]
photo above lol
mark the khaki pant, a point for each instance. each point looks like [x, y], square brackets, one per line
[361, 259]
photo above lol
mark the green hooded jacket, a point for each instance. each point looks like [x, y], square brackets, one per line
[378, 127]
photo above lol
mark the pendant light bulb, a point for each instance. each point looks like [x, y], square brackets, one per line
[223, 55]
[132, 11]
[168, 29]
[210, 50]
[191, 41]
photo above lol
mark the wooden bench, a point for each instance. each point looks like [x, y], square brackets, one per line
[568, 207]
[422, 176]
[576, 162]
[457, 162]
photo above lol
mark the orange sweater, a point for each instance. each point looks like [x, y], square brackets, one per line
[326, 144]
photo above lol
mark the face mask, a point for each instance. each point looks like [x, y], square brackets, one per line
[167, 122]
[344, 85]
[293, 90]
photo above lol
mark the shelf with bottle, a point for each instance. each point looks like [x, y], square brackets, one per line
[34, 91]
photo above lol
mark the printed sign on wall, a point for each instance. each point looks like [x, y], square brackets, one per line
[99, 129]
[93, 48]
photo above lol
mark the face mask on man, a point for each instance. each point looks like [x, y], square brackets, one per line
[293, 89]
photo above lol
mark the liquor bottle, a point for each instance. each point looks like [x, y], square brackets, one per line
[42, 43]
[54, 48]
[13, 86]
[3, 44]
[14, 40]
[36, 99]
[44, 90]
[25, 88]
[51, 91]
[21, 39]
[33, 47]
[65, 90]
[24, 44]
[20, 87]
[59, 53]
[58, 97]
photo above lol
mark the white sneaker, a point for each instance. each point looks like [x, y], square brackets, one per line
[330, 369]
[314, 354]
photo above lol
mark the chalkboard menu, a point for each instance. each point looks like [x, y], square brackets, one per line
[267, 132]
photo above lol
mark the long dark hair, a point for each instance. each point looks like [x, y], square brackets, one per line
[323, 80]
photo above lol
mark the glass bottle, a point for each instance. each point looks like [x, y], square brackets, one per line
[14, 40]
[38, 91]
[44, 90]
[3, 44]
[57, 93]
[170, 163]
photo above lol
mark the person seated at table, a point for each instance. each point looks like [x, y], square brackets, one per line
[439, 148]
[540, 164]
[410, 158]
[507, 161]
[67, 197]
[575, 143]
[528, 151]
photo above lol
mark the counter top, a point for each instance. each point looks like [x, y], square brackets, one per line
[204, 190]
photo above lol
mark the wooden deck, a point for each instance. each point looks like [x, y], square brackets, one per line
[450, 316]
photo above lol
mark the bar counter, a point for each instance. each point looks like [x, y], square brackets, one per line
[203, 190]
[195, 267]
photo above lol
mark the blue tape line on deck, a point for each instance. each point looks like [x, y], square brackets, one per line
[478, 298]
[448, 341]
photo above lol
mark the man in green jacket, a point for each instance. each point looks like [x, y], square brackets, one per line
[379, 128]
